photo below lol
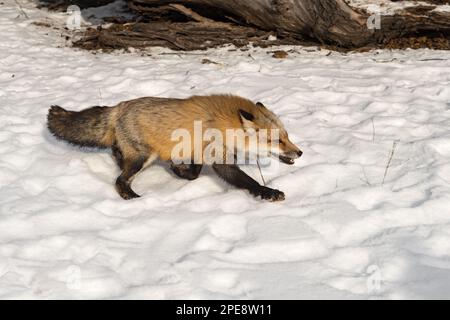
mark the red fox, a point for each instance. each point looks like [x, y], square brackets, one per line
[140, 131]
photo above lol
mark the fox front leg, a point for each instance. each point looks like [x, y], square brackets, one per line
[186, 171]
[238, 178]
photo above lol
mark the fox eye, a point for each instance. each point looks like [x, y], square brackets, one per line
[277, 141]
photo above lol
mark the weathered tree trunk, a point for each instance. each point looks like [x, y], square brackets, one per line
[337, 22]
[324, 20]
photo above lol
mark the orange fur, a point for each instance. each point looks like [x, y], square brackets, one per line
[154, 119]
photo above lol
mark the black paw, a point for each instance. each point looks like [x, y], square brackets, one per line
[186, 171]
[125, 190]
[271, 194]
[129, 195]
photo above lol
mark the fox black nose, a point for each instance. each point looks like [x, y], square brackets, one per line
[299, 153]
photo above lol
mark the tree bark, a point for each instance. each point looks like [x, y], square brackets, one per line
[323, 20]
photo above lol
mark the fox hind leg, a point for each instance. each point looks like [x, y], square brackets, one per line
[131, 165]
[117, 155]
[123, 182]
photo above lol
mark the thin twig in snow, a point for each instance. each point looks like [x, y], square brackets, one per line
[365, 177]
[434, 59]
[21, 9]
[373, 130]
[100, 95]
[394, 145]
[260, 172]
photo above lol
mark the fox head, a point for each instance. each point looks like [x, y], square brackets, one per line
[274, 139]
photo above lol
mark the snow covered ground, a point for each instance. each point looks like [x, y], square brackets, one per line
[340, 233]
[389, 7]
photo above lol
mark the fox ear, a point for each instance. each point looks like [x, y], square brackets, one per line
[247, 119]
[259, 104]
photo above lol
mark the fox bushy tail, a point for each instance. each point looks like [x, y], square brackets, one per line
[92, 127]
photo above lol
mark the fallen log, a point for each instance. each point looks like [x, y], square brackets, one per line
[200, 24]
